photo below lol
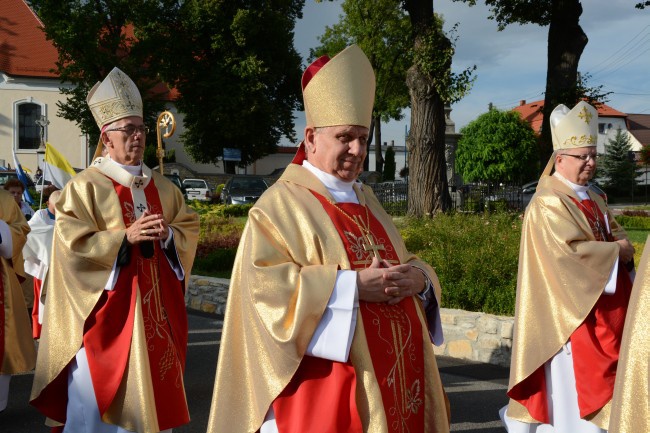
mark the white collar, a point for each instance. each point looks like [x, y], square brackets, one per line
[574, 186]
[341, 191]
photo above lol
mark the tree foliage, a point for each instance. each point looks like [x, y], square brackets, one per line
[233, 65]
[617, 169]
[383, 31]
[566, 42]
[390, 166]
[499, 146]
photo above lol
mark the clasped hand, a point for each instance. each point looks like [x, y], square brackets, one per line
[149, 227]
[382, 282]
[626, 251]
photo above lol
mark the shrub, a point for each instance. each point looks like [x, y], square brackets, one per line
[634, 222]
[475, 257]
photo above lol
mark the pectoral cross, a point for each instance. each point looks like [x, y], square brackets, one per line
[372, 246]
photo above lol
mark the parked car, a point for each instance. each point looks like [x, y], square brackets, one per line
[7, 174]
[176, 180]
[528, 190]
[197, 189]
[243, 189]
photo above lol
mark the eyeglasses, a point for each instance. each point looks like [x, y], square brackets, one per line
[131, 129]
[584, 158]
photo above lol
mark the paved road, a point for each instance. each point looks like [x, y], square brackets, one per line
[476, 391]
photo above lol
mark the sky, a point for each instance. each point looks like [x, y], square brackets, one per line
[511, 64]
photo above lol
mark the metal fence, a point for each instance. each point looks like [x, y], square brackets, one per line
[393, 196]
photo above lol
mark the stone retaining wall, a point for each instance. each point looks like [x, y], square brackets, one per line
[473, 336]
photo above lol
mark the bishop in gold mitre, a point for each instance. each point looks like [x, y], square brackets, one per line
[573, 288]
[114, 339]
[330, 320]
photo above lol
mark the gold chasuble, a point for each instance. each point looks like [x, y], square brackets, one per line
[284, 274]
[135, 335]
[17, 352]
[630, 404]
[565, 260]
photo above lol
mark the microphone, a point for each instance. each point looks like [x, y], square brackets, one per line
[146, 249]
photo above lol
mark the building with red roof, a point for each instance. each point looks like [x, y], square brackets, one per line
[609, 121]
[29, 91]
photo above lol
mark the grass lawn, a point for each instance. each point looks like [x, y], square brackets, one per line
[638, 235]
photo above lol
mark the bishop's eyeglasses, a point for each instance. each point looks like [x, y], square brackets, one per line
[131, 129]
[584, 157]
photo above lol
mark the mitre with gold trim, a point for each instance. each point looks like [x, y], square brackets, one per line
[574, 128]
[114, 98]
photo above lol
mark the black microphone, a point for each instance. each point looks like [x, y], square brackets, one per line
[146, 249]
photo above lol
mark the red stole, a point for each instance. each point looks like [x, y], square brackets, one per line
[109, 328]
[36, 327]
[394, 336]
[595, 344]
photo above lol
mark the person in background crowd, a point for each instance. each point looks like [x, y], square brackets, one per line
[37, 256]
[573, 289]
[123, 247]
[16, 189]
[330, 319]
[17, 351]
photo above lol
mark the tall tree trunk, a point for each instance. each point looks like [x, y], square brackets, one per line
[566, 42]
[379, 158]
[428, 187]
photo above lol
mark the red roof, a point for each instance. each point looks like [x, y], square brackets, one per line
[639, 126]
[24, 51]
[532, 113]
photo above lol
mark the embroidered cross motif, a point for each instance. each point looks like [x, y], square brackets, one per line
[141, 207]
[138, 183]
[370, 245]
[585, 115]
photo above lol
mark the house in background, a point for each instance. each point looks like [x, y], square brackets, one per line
[29, 92]
[609, 121]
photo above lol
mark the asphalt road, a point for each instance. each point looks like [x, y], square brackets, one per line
[476, 391]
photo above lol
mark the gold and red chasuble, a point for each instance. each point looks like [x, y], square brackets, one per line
[394, 336]
[109, 329]
[595, 344]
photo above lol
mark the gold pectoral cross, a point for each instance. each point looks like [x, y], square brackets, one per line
[370, 245]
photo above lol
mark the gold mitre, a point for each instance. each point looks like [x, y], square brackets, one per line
[114, 98]
[339, 91]
[574, 128]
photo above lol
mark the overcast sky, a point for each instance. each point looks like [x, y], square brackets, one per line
[511, 64]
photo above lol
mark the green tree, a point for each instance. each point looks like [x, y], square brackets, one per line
[233, 64]
[432, 85]
[617, 169]
[390, 166]
[91, 39]
[566, 42]
[383, 31]
[499, 146]
[236, 70]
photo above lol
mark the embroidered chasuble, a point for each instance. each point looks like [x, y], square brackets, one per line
[598, 317]
[135, 334]
[394, 336]
[294, 243]
[17, 352]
